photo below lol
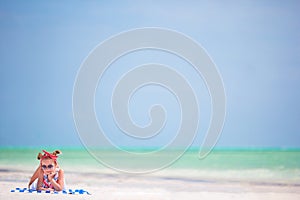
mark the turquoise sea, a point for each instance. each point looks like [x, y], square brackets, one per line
[264, 165]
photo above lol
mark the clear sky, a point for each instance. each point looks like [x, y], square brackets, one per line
[255, 44]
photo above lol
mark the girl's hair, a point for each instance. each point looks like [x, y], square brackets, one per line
[48, 155]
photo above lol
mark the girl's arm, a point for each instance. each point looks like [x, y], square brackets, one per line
[39, 185]
[59, 185]
[34, 176]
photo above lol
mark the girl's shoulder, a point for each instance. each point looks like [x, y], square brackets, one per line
[59, 170]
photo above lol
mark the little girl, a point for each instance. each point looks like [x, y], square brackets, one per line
[49, 175]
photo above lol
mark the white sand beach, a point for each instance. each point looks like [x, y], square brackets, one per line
[167, 184]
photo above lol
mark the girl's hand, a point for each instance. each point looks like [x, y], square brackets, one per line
[51, 176]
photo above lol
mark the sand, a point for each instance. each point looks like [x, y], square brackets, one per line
[107, 184]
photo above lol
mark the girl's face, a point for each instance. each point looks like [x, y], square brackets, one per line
[48, 166]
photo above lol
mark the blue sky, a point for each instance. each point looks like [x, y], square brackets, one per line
[255, 45]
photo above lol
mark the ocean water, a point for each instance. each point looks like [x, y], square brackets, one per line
[262, 165]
